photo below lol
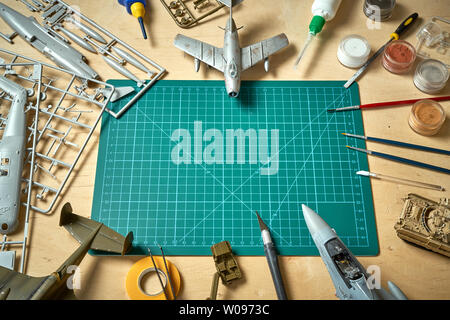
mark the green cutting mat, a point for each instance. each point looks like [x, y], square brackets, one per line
[150, 182]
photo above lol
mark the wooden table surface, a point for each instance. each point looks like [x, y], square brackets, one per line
[419, 273]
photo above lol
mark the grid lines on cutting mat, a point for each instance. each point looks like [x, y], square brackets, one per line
[186, 207]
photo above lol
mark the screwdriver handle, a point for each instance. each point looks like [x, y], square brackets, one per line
[137, 9]
[129, 3]
[404, 25]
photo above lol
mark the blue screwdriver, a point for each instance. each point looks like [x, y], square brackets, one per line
[137, 9]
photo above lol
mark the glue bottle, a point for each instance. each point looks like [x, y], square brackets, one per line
[323, 11]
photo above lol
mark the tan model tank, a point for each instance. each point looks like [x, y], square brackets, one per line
[425, 223]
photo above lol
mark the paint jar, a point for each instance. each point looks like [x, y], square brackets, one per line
[353, 51]
[399, 56]
[431, 76]
[378, 10]
[426, 117]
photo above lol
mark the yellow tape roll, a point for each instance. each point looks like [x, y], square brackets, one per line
[145, 266]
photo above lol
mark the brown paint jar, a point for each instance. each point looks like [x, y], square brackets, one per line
[399, 56]
[426, 117]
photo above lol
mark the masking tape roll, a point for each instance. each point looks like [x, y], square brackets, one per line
[145, 266]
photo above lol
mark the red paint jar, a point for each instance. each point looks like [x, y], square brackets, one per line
[399, 56]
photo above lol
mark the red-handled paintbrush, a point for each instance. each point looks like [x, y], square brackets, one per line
[386, 104]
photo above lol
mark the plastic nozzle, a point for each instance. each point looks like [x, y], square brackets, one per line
[316, 25]
[306, 45]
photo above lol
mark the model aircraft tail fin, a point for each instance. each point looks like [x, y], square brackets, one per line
[230, 3]
[105, 240]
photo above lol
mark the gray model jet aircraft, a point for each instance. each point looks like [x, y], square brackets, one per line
[348, 275]
[231, 60]
[43, 40]
[12, 146]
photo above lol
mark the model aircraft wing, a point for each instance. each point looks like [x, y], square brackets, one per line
[18, 286]
[257, 52]
[206, 53]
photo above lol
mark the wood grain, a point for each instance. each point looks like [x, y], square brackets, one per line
[419, 273]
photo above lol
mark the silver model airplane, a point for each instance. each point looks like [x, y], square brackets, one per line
[231, 60]
[43, 40]
[12, 146]
[348, 275]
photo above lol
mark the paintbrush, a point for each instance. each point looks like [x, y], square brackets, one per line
[386, 104]
[400, 180]
[399, 143]
[402, 160]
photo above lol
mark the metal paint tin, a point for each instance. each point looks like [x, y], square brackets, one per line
[399, 56]
[431, 76]
[378, 10]
[426, 117]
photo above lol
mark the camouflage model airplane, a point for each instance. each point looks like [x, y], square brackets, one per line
[91, 234]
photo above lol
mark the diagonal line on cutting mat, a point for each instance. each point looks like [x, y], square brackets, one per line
[188, 153]
[231, 216]
[232, 193]
[257, 170]
[301, 169]
[293, 138]
[295, 179]
[252, 175]
[242, 184]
